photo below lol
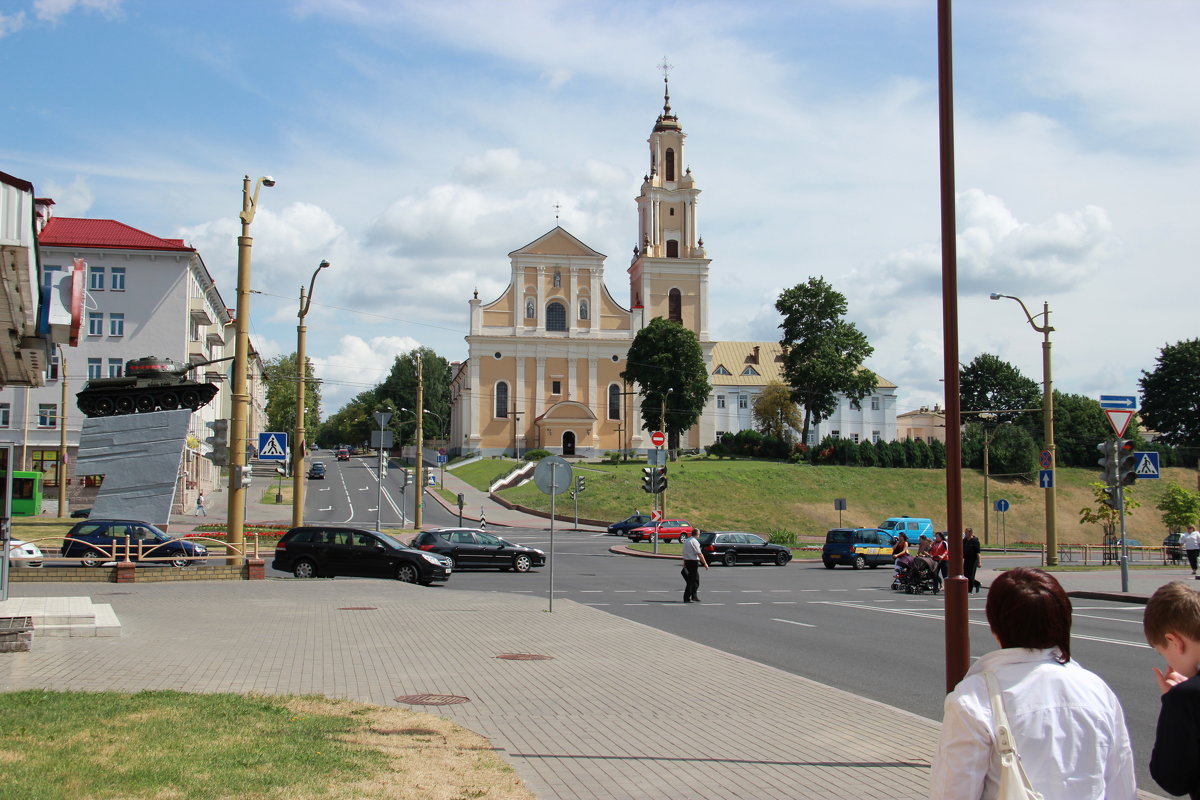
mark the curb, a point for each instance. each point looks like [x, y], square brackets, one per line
[1117, 597]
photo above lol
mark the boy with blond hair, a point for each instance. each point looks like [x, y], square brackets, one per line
[1172, 627]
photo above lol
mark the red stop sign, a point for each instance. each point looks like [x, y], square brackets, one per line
[658, 438]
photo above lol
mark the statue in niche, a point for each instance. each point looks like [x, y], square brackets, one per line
[583, 309]
[557, 279]
[529, 309]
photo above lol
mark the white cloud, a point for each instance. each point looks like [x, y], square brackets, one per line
[54, 10]
[72, 200]
[356, 366]
[11, 23]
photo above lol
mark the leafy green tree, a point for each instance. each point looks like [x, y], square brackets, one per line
[667, 364]
[353, 423]
[823, 353]
[866, 454]
[1171, 394]
[1102, 514]
[991, 384]
[1179, 507]
[281, 375]
[1079, 425]
[1012, 452]
[776, 413]
[400, 387]
[937, 449]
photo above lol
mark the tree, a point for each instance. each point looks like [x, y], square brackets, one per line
[1079, 425]
[1171, 394]
[400, 387]
[990, 384]
[776, 413]
[823, 354]
[667, 364]
[281, 394]
[1104, 515]
[1179, 507]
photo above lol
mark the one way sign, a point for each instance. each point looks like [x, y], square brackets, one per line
[1147, 465]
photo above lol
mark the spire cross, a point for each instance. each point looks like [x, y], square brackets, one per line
[556, 210]
[666, 68]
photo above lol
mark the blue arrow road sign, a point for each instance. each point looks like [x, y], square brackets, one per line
[1123, 401]
[1147, 465]
[272, 446]
[1001, 505]
[1046, 478]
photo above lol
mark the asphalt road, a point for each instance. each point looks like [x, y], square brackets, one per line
[841, 627]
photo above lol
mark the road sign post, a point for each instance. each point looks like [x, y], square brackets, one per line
[553, 476]
[1002, 507]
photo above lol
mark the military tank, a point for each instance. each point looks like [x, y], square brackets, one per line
[149, 384]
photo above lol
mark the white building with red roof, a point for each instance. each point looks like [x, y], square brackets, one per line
[144, 295]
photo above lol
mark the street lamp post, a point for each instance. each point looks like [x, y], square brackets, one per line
[1048, 422]
[298, 445]
[241, 398]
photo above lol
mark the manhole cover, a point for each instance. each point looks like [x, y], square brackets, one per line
[524, 657]
[358, 608]
[432, 699]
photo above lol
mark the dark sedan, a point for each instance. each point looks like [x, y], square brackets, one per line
[471, 547]
[99, 540]
[326, 551]
[734, 547]
[623, 527]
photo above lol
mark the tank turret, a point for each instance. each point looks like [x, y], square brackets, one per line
[149, 384]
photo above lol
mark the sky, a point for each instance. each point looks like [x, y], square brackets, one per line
[416, 144]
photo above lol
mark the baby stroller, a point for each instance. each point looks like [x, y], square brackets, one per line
[918, 576]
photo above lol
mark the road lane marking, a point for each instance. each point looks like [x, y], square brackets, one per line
[793, 622]
[749, 604]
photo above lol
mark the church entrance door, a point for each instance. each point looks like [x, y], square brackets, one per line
[568, 444]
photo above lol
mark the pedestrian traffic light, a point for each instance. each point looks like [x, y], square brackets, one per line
[1109, 462]
[242, 477]
[219, 442]
[1112, 497]
[579, 484]
[648, 480]
[1126, 463]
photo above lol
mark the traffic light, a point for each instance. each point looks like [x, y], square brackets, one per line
[1108, 462]
[654, 479]
[219, 442]
[1112, 497]
[242, 477]
[648, 480]
[1126, 463]
[660, 482]
[580, 485]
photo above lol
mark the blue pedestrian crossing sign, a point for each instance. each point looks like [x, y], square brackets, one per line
[1046, 478]
[272, 446]
[1146, 465]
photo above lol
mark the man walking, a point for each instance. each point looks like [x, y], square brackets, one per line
[692, 559]
[201, 511]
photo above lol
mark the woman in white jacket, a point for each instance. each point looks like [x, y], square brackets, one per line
[1067, 724]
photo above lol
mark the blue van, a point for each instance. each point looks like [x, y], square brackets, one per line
[911, 527]
[857, 547]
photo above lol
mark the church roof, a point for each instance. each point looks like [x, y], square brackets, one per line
[755, 364]
[557, 242]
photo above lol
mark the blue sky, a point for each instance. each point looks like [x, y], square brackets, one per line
[415, 144]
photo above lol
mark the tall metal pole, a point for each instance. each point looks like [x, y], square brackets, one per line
[62, 435]
[986, 505]
[1048, 433]
[419, 494]
[958, 646]
[299, 445]
[235, 518]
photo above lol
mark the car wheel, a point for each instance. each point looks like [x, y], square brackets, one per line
[90, 562]
[177, 560]
[407, 573]
[453, 565]
[860, 562]
[829, 564]
[782, 558]
[304, 569]
[730, 559]
[522, 562]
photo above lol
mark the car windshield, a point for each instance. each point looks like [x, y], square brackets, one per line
[891, 523]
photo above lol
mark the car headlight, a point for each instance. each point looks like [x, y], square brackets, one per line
[539, 552]
[433, 559]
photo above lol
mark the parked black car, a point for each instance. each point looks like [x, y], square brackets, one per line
[93, 541]
[734, 547]
[471, 547]
[326, 551]
[623, 527]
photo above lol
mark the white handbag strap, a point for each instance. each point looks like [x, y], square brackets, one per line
[999, 718]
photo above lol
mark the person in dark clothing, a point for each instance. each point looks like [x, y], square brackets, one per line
[693, 557]
[1171, 623]
[971, 560]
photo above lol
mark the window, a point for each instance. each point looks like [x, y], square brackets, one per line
[530, 310]
[95, 365]
[720, 401]
[614, 401]
[675, 306]
[502, 400]
[46, 462]
[5, 415]
[117, 280]
[743, 401]
[47, 415]
[672, 248]
[854, 438]
[670, 164]
[555, 387]
[583, 309]
[930, 439]
[836, 434]
[96, 279]
[855, 405]
[874, 403]
[95, 323]
[720, 370]
[556, 317]
[194, 330]
[116, 324]
[52, 374]
[749, 371]
[114, 367]
[874, 437]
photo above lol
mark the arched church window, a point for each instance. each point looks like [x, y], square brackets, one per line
[670, 164]
[557, 278]
[675, 306]
[530, 309]
[583, 309]
[672, 248]
[502, 400]
[556, 317]
[614, 401]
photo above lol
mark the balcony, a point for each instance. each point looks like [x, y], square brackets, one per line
[198, 309]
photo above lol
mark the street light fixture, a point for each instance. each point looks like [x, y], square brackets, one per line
[298, 444]
[1048, 422]
[241, 398]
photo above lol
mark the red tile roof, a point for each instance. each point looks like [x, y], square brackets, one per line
[70, 232]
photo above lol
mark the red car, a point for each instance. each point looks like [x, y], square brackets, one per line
[343, 454]
[669, 530]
